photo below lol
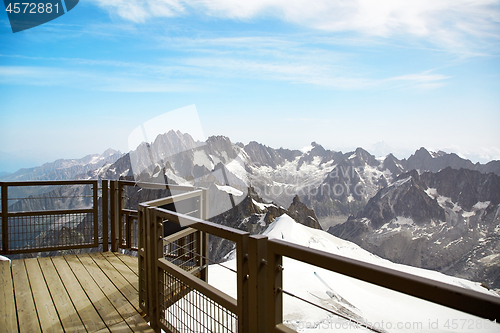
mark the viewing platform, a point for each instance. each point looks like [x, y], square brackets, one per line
[95, 292]
[68, 271]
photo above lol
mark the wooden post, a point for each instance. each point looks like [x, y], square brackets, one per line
[155, 244]
[204, 237]
[242, 283]
[142, 259]
[204, 204]
[114, 217]
[149, 249]
[257, 256]
[119, 217]
[105, 229]
[274, 290]
[95, 209]
[128, 239]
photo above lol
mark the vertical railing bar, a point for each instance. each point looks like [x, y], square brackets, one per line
[274, 287]
[120, 214]
[129, 231]
[143, 251]
[159, 276]
[242, 283]
[105, 207]
[204, 237]
[5, 219]
[150, 266]
[95, 208]
[114, 217]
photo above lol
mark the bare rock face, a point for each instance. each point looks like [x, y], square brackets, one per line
[300, 213]
[406, 197]
[446, 221]
[252, 214]
[262, 155]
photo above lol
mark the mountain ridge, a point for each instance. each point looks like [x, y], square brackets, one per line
[446, 221]
[412, 210]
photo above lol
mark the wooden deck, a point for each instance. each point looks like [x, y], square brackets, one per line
[95, 292]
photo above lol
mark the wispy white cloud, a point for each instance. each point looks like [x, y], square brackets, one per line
[313, 73]
[140, 11]
[424, 81]
[458, 25]
[267, 59]
[89, 79]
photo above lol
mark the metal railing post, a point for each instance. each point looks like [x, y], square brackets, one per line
[257, 256]
[105, 207]
[5, 219]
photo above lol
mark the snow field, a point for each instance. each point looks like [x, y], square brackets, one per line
[363, 303]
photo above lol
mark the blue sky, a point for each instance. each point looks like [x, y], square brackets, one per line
[283, 73]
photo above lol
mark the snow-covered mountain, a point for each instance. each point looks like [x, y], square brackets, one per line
[447, 221]
[334, 184]
[423, 210]
[362, 303]
[64, 169]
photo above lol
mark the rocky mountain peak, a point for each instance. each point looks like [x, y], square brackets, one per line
[423, 160]
[262, 155]
[218, 139]
[465, 187]
[406, 197]
[437, 154]
[362, 157]
[173, 142]
[299, 212]
[253, 214]
[317, 152]
[392, 164]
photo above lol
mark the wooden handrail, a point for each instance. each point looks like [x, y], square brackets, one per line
[480, 304]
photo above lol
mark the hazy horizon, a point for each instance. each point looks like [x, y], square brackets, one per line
[379, 149]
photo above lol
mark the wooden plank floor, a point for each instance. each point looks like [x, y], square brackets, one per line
[95, 292]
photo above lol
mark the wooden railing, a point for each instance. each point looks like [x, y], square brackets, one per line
[479, 304]
[124, 227]
[37, 230]
[172, 241]
[259, 303]
[173, 260]
[103, 220]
